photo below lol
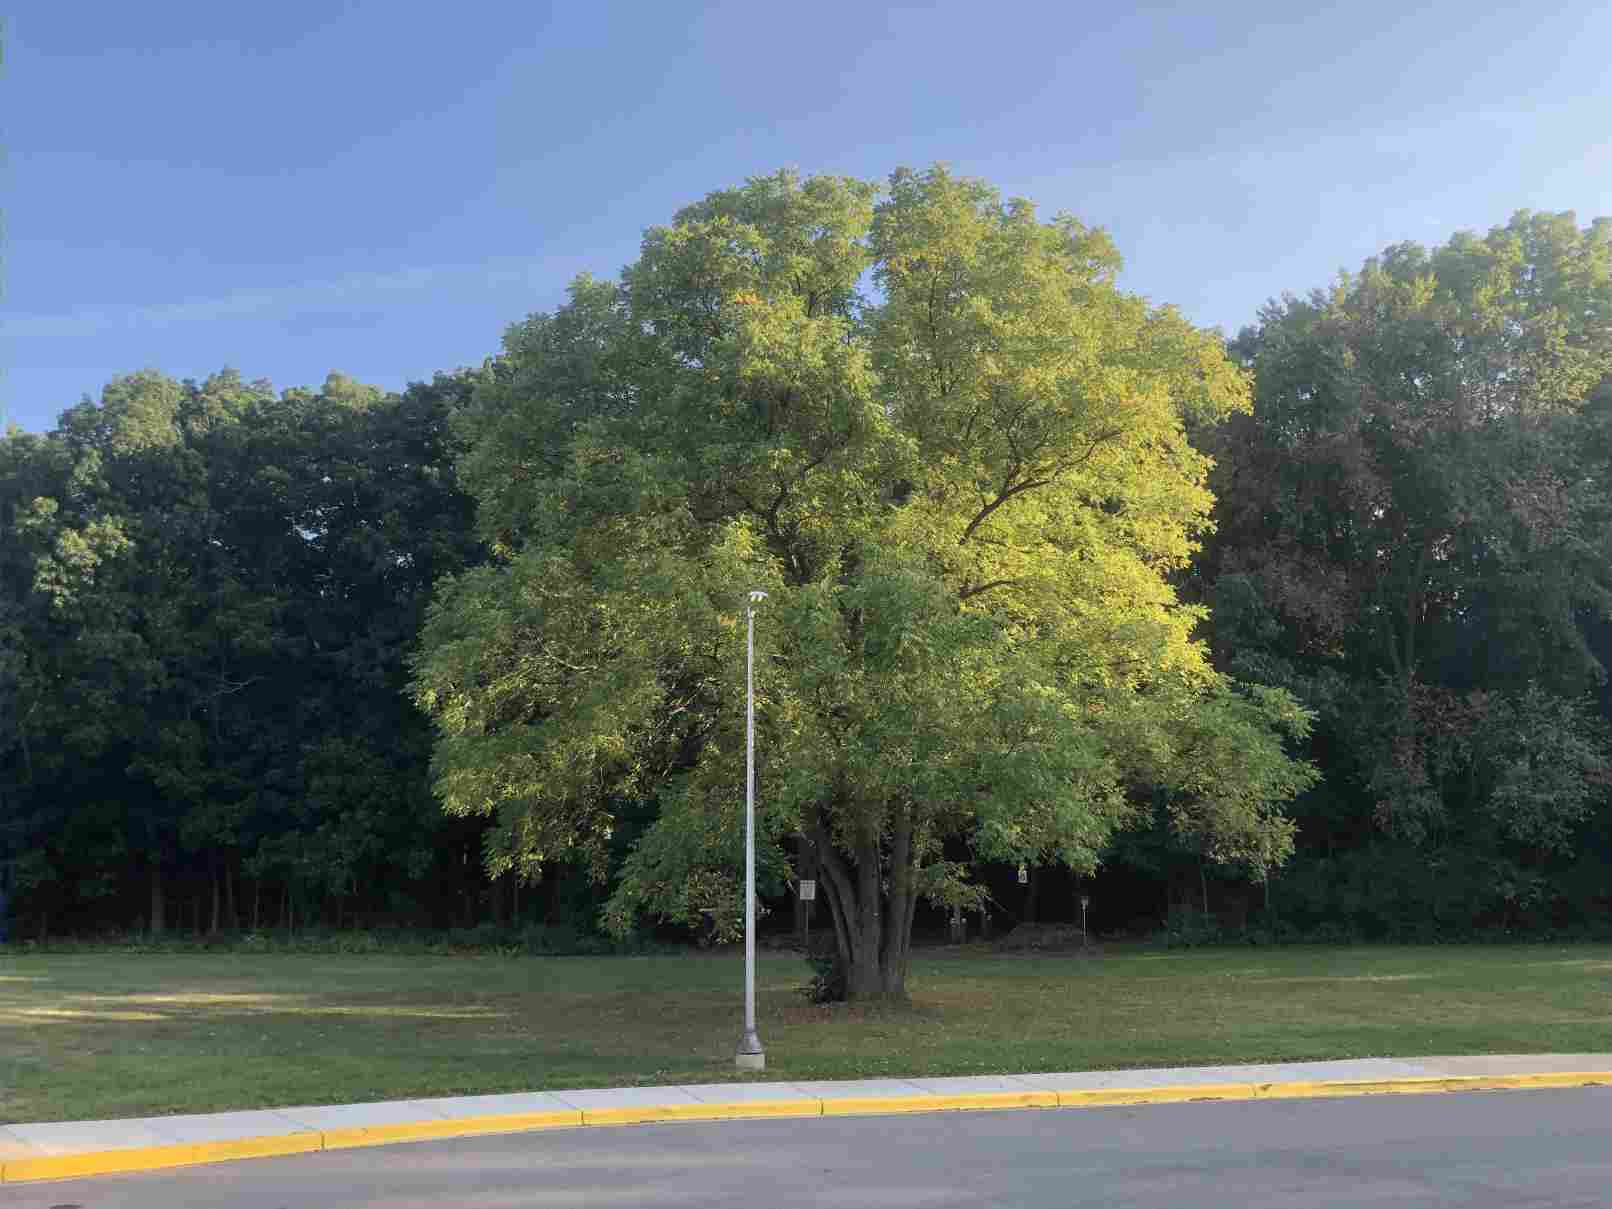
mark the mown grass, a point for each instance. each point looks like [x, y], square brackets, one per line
[92, 1035]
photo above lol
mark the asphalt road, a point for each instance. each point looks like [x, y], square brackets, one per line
[1514, 1148]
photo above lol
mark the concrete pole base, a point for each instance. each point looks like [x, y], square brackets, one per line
[750, 1055]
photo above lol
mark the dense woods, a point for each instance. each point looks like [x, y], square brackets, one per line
[217, 713]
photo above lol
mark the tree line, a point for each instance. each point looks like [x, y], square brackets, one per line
[1303, 631]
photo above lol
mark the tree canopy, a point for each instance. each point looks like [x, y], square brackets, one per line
[954, 453]
[1416, 538]
[1056, 580]
[207, 592]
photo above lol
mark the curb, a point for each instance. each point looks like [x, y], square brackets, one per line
[153, 1158]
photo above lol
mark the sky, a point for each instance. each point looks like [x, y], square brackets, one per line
[381, 188]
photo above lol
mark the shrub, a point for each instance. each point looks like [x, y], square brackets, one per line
[828, 982]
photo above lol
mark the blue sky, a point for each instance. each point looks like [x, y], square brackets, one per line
[380, 188]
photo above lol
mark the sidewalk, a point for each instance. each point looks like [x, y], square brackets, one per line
[58, 1150]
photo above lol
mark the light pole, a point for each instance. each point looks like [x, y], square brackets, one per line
[750, 1055]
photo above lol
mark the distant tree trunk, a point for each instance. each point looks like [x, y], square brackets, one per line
[232, 919]
[159, 903]
[257, 901]
[1203, 884]
[217, 918]
[27, 754]
[1032, 892]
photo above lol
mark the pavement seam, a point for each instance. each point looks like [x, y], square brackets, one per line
[185, 1154]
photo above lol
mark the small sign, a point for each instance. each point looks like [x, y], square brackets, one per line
[1085, 901]
[1024, 875]
[808, 890]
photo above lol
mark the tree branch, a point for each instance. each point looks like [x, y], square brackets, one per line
[965, 593]
[1002, 497]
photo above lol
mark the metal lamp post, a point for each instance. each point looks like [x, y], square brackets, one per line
[750, 1055]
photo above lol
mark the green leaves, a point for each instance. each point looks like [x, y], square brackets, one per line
[964, 496]
[1414, 538]
[206, 591]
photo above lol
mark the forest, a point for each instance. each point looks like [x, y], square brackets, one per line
[235, 693]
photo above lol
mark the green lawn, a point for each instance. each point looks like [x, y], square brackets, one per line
[124, 1034]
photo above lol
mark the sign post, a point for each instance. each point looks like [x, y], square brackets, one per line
[808, 895]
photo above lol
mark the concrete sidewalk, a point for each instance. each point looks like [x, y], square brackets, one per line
[63, 1149]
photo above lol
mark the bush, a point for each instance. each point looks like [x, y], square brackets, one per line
[828, 983]
[1192, 929]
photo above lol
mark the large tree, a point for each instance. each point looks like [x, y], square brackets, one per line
[1416, 537]
[926, 422]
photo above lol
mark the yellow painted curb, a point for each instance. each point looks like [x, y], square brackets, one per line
[1315, 1089]
[152, 1158]
[738, 1110]
[1380, 1087]
[516, 1122]
[644, 1114]
[930, 1102]
[257, 1148]
[1098, 1097]
[447, 1127]
[1434, 1083]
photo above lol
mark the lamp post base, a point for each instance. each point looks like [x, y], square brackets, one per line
[750, 1055]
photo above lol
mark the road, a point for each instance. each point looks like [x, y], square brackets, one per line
[1514, 1148]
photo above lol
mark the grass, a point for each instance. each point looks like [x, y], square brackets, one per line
[94, 1035]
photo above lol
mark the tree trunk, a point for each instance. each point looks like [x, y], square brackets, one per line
[902, 900]
[1032, 892]
[159, 903]
[27, 754]
[872, 914]
[232, 919]
[218, 902]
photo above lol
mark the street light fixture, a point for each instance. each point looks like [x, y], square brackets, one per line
[750, 1055]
